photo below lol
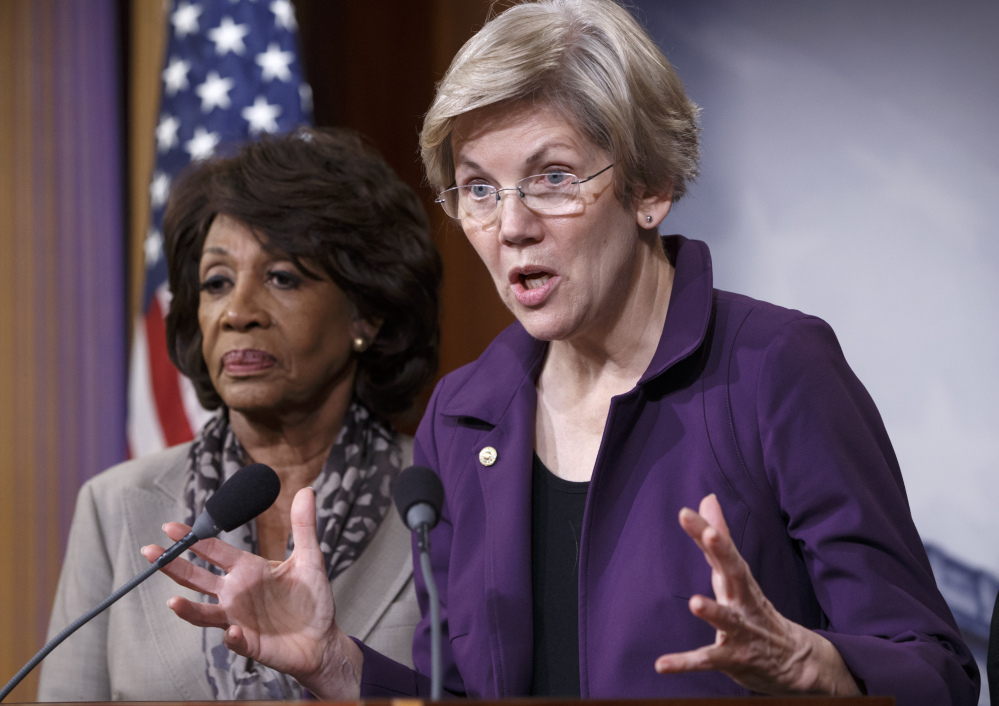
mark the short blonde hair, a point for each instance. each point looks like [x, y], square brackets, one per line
[592, 61]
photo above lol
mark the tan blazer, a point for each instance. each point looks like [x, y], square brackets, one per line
[138, 650]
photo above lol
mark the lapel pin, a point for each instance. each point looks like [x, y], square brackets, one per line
[487, 456]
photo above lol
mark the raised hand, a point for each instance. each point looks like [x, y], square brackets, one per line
[280, 614]
[754, 644]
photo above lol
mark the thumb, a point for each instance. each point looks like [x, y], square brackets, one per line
[303, 520]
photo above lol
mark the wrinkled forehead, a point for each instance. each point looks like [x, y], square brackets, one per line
[524, 130]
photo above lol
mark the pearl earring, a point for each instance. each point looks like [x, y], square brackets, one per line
[360, 344]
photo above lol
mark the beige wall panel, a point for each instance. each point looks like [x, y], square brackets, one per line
[148, 42]
[18, 594]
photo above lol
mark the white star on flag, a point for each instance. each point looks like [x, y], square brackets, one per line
[275, 63]
[214, 92]
[159, 189]
[175, 76]
[185, 19]
[166, 133]
[261, 116]
[228, 37]
[220, 56]
[284, 14]
[202, 145]
[153, 246]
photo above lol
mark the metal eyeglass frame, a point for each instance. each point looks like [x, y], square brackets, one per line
[516, 187]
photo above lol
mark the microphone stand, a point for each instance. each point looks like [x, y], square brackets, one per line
[423, 544]
[250, 491]
[172, 553]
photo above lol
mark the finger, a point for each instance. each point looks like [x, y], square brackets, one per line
[235, 640]
[216, 552]
[707, 538]
[708, 529]
[718, 545]
[727, 567]
[202, 615]
[694, 525]
[710, 510]
[725, 619]
[152, 552]
[185, 573]
[176, 531]
[698, 660]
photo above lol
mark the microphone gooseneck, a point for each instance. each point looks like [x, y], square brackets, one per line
[419, 497]
[250, 491]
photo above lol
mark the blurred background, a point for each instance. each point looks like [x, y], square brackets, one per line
[850, 170]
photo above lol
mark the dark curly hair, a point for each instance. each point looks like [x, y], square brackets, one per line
[328, 200]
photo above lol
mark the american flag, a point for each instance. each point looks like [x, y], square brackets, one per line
[231, 73]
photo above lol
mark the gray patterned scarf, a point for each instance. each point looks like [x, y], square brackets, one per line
[353, 493]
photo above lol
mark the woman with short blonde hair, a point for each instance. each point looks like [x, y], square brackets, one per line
[629, 390]
[595, 65]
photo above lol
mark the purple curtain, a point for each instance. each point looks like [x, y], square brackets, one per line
[64, 238]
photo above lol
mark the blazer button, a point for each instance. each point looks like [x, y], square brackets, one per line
[487, 456]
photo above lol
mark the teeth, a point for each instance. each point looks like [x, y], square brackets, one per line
[536, 280]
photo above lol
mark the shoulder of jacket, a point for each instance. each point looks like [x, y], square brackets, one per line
[163, 470]
[768, 312]
[746, 319]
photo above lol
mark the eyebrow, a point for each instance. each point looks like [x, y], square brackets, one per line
[277, 257]
[536, 157]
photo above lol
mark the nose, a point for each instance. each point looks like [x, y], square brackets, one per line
[516, 223]
[244, 307]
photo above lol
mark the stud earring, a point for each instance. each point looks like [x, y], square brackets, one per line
[359, 344]
[648, 219]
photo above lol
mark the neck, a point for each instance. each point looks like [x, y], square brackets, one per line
[625, 338]
[295, 448]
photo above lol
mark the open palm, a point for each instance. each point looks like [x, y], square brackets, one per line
[280, 614]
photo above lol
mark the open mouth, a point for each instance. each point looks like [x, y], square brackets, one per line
[535, 280]
[532, 286]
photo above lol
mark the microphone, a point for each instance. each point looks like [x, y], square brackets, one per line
[419, 496]
[249, 492]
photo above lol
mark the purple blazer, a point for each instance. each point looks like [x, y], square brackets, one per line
[744, 399]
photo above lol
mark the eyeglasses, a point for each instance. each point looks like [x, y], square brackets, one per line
[552, 192]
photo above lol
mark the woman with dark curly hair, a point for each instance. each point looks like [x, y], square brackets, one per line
[305, 297]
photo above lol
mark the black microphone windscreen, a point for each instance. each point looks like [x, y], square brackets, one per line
[418, 484]
[249, 492]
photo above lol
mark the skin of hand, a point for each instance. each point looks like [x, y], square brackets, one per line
[754, 644]
[280, 614]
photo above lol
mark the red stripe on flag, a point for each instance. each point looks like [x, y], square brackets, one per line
[164, 376]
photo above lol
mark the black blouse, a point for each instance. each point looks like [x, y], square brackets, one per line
[556, 520]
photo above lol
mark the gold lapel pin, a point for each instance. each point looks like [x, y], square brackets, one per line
[487, 456]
